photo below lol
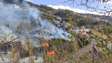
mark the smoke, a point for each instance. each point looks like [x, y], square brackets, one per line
[25, 16]
[6, 34]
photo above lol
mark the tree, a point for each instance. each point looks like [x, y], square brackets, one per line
[91, 5]
[70, 21]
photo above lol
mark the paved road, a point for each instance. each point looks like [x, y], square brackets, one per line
[85, 49]
[80, 52]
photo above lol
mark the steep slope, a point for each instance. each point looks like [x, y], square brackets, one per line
[21, 14]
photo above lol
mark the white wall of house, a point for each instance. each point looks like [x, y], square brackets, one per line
[109, 45]
[56, 22]
[86, 30]
[77, 30]
[59, 18]
[14, 5]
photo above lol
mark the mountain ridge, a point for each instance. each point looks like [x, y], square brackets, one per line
[102, 17]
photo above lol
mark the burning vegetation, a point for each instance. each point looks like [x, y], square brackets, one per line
[51, 53]
[45, 44]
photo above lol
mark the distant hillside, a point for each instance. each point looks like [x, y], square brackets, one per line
[99, 16]
[52, 11]
[75, 19]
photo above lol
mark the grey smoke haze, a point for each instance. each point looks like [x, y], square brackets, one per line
[26, 17]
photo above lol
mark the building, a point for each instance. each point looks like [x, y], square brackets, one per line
[84, 16]
[67, 24]
[59, 18]
[60, 23]
[82, 32]
[110, 22]
[56, 22]
[16, 6]
[104, 36]
[83, 27]
[109, 45]
[13, 5]
[97, 18]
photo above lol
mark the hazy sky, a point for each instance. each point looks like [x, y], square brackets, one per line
[59, 4]
[55, 2]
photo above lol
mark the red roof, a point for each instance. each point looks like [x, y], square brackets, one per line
[82, 27]
[68, 23]
[81, 32]
[104, 36]
[84, 16]
[110, 22]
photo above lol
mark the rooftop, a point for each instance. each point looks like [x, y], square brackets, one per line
[81, 32]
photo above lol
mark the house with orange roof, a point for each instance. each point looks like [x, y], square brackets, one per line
[97, 18]
[82, 32]
[83, 27]
[104, 36]
[110, 22]
[67, 24]
[84, 16]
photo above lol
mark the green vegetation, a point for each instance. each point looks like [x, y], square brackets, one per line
[20, 1]
[83, 41]
[106, 30]
[96, 33]
[48, 17]
[67, 16]
[66, 54]
[70, 53]
[58, 41]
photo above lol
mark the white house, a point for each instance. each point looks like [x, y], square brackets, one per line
[16, 6]
[59, 18]
[56, 22]
[13, 5]
[77, 30]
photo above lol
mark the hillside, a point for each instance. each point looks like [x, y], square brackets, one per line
[109, 18]
[102, 17]
[19, 22]
[71, 17]
[31, 33]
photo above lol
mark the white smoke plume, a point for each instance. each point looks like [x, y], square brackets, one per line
[25, 16]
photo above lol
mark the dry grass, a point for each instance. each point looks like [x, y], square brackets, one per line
[65, 54]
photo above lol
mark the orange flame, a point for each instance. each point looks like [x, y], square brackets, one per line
[44, 44]
[51, 53]
[24, 47]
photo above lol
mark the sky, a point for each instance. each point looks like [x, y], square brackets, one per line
[58, 4]
[54, 3]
